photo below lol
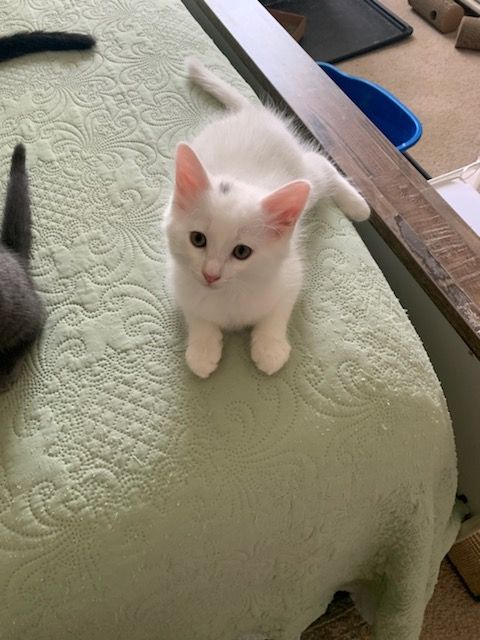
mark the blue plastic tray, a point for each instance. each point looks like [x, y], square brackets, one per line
[400, 125]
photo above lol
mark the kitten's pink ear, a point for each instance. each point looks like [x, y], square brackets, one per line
[284, 206]
[191, 179]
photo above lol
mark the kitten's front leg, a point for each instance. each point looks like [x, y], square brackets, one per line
[204, 348]
[270, 348]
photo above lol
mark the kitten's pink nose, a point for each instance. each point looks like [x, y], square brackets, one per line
[210, 277]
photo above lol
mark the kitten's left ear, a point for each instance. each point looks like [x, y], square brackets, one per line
[191, 179]
[284, 206]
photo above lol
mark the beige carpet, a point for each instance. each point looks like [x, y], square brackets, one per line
[439, 83]
[451, 615]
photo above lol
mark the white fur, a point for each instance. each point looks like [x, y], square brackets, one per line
[254, 152]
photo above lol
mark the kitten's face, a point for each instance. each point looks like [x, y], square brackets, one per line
[225, 237]
[224, 230]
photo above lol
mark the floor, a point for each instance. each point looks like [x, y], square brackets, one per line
[438, 82]
[451, 615]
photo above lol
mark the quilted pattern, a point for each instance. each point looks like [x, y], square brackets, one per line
[138, 502]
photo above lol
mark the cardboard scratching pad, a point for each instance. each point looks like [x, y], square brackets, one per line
[444, 15]
[340, 29]
[294, 23]
[468, 36]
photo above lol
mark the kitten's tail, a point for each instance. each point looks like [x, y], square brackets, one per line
[213, 85]
[16, 228]
[20, 44]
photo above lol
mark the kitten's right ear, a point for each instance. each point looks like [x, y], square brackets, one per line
[191, 179]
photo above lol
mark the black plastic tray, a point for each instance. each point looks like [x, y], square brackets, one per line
[341, 29]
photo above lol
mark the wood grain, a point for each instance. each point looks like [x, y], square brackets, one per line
[437, 247]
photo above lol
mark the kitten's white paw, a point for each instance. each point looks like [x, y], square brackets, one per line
[203, 355]
[269, 353]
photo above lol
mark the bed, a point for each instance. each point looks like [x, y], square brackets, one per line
[138, 502]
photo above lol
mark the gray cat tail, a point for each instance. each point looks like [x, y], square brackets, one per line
[17, 164]
[25, 42]
[16, 228]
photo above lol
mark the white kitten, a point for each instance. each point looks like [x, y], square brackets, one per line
[240, 189]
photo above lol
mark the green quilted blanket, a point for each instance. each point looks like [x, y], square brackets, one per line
[138, 502]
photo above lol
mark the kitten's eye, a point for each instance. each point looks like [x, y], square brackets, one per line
[198, 239]
[242, 252]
